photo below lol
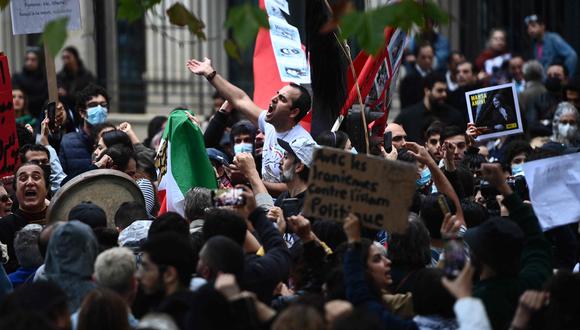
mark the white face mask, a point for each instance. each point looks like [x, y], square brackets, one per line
[567, 131]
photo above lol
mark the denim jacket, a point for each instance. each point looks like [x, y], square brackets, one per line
[555, 48]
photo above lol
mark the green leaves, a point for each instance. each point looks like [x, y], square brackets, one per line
[181, 16]
[245, 21]
[132, 10]
[54, 35]
[368, 27]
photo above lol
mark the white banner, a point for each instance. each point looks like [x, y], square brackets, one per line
[30, 16]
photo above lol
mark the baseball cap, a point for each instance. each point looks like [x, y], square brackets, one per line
[217, 156]
[497, 242]
[90, 214]
[301, 147]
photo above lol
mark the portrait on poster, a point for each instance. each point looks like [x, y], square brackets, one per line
[495, 111]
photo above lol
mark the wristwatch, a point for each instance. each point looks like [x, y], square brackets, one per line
[210, 76]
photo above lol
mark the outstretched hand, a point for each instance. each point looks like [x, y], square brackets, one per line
[460, 287]
[351, 228]
[202, 68]
[493, 173]
[419, 152]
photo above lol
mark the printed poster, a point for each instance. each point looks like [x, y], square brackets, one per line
[495, 111]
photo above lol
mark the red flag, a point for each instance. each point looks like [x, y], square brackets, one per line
[8, 137]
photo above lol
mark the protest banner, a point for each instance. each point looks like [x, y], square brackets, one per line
[554, 187]
[378, 191]
[8, 137]
[495, 111]
[31, 16]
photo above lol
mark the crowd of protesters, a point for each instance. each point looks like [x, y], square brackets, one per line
[263, 264]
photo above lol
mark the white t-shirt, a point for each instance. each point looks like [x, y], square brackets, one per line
[272, 153]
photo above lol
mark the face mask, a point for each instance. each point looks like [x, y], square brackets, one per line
[567, 131]
[425, 178]
[518, 170]
[353, 151]
[243, 147]
[96, 115]
[553, 84]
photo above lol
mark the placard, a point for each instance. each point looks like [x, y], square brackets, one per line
[378, 191]
[30, 16]
[554, 186]
[495, 111]
[8, 137]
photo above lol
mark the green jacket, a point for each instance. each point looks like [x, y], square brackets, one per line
[500, 295]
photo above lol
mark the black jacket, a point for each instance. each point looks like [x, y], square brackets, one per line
[411, 89]
[73, 83]
[417, 118]
[75, 152]
[262, 274]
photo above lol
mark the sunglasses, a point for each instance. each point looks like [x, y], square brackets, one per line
[433, 141]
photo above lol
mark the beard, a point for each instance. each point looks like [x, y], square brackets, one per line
[288, 175]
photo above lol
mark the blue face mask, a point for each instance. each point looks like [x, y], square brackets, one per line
[518, 170]
[353, 151]
[425, 178]
[97, 115]
[243, 147]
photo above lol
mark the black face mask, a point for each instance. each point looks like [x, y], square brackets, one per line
[554, 84]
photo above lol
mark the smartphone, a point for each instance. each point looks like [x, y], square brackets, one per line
[291, 207]
[443, 205]
[454, 258]
[228, 197]
[388, 141]
[51, 114]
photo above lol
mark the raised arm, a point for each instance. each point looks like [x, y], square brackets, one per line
[237, 97]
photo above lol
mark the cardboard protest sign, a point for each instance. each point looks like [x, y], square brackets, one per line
[378, 191]
[8, 137]
[31, 16]
[554, 186]
[495, 111]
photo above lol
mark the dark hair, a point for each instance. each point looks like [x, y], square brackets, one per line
[431, 213]
[429, 295]
[473, 213]
[197, 200]
[32, 147]
[451, 131]
[145, 158]
[172, 249]
[169, 222]
[453, 53]
[222, 254]
[116, 136]
[128, 212]
[360, 318]
[26, 320]
[561, 64]
[98, 128]
[468, 62]
[411, 249]
[75, 53]
[243, 127]
[121, 155]
[303, 102]
[103, 308]
[44, 297]
[572, 85]
[472, 161]
[87, 93]
[226, 223]
[421, 45]
[305, 173]
[153, 128]
[515, 148]
[332, 139]
[434, 128]
[563, 311]
[432, 78]
[24, 136]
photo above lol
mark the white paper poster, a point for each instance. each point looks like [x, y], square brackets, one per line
[554, 185]
[30, 16]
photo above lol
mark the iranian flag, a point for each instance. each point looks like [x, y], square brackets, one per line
[182, 162]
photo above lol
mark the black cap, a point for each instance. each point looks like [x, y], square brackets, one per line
[90, 214]
[498, 243]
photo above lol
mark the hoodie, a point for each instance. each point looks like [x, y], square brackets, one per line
[70, 259]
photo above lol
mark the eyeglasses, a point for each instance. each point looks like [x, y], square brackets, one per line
[4, 198]
[94, 104]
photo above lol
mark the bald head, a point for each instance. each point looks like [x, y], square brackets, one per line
[399, 135]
